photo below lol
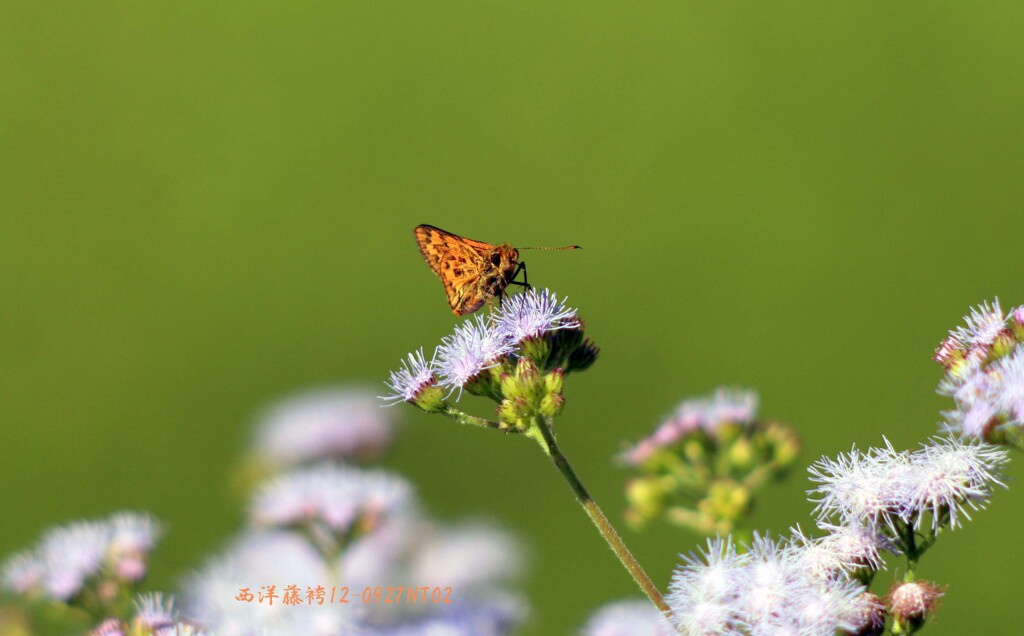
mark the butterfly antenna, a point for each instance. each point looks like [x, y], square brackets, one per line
[567, 247]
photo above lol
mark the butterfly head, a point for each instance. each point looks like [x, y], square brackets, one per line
[504, 258]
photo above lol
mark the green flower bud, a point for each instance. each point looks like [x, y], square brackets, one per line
[554, 380]
[1003, 344]
[551, 404]
[430, 398]
[784, 443]
[563, 343]
[742, 455]
[1017, 324]
[529, 379]
[582, 356]
[726, 500]
[484, 384]
[694, 450]
[515, 414]
[647, 498]
[536, 348]
[507, 412]
[726, 432]
[509, 386]
[911, 603]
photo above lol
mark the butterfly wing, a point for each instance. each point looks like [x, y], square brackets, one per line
[458, 262]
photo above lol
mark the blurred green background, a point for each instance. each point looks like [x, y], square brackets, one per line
[207, 205]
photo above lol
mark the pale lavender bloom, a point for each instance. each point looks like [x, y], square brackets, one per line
[472, 349]
[855, 547]
[862, 489]
[415, 374]
[822, 609]
[706, 413]
[704, 592]
[987, 396]
[976, 408]
[133, 536]
[324, 424]
[1017, 316]
[382, 554]
[532, 314]
[769, 590]
[975, 412]
[951, 475]
[884, 486]
[336, 496]
[267, 558]
[628, 618]
[984, 324]
[68, 557]
[22, 572]
[1006, 389]
[109, 627]
[154, 613]
[770, 580]
[466, 557]
[71, 555]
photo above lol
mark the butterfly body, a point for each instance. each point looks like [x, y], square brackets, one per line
[472, 272]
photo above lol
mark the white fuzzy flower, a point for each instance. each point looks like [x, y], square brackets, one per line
[951, 475]
[473, 348]
[415, 374]
[532, 314]
[338, 497]
[984, 324]
[628, 618]
[334, 424]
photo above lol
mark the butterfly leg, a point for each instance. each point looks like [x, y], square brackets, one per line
[526, 281]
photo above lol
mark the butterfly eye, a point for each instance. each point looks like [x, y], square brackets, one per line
[496, 259]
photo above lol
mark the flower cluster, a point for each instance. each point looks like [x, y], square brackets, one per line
[628, 618]
[868, 504]
[93, 562]
[313, 522]
[333, 504]
[894, 492]
[154, 616]
[771, 588]
[343, 424]
[534, 326]
[899, 501]
[984, 362]
[333, 524]
[702, 465]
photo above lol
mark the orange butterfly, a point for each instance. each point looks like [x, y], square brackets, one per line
[472, 272]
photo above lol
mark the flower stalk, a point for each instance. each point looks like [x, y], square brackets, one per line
[542, 433]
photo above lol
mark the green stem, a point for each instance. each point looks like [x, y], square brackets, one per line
[757, 477]
[547, 442]
[472, 420]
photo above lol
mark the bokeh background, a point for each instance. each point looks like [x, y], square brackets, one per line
[207, 206]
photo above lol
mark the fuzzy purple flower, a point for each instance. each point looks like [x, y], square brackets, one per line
[70, 557]
[473, 348]
[338, 497]
[950, 476]
[705, 413]
[768, 590]
[532, 314]
[332, 424]
[628, 618]
[984, 324]
[861, 488]
[415, 374]
[883, 486]
[154, 613]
